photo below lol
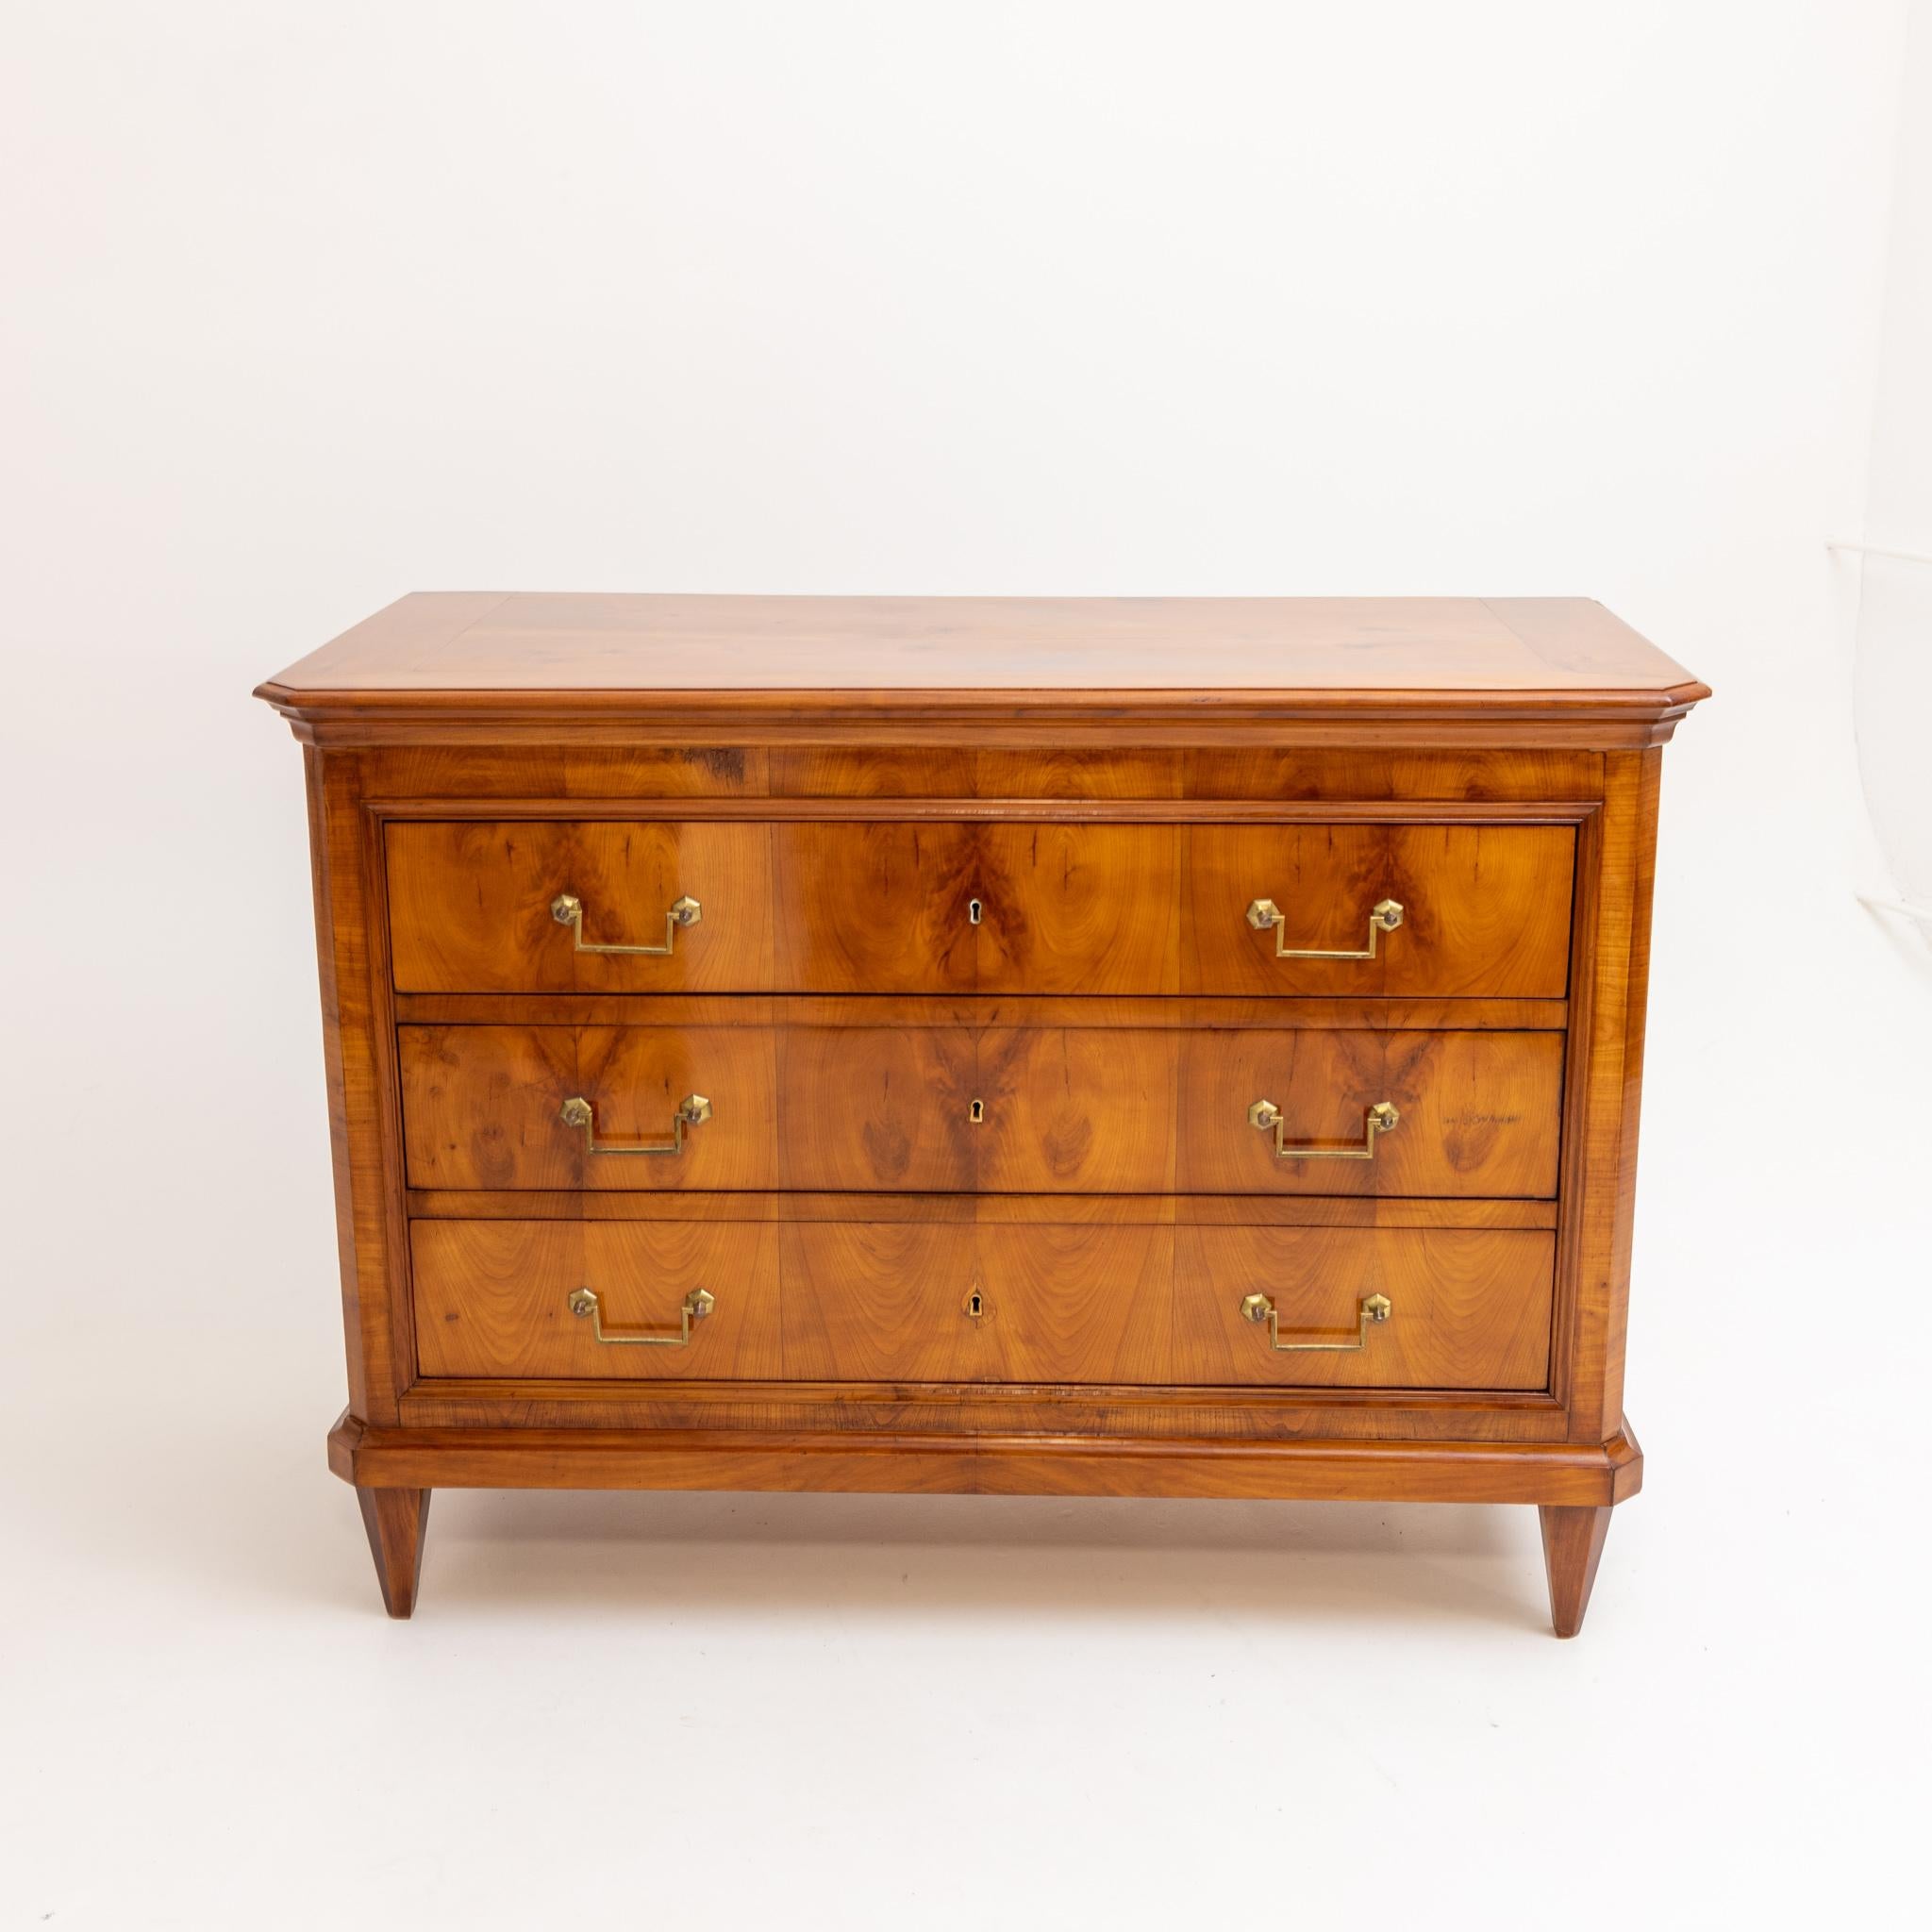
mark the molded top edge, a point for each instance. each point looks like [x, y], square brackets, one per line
[609, 656]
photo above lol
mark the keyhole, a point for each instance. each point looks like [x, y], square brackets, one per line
[975, 911]
[975, 1306]
[977, 1112]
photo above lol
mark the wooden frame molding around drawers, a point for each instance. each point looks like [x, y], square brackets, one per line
[806, 1043]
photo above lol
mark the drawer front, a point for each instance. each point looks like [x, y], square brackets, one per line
[483, 1106]
[472, 906]
[918, 906]
[493, 1298]
[1475, 1113]
[1485, 909]
[875, 907]
[927, 1303]
[942, 908]
[948, 1110]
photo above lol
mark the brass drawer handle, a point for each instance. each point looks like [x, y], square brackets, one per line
[567, 910]
[692, 1111]
[1263, 913]
[1382, 1119]
[697, 1305]
[1258, 1308]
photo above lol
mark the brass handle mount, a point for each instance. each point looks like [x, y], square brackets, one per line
[692, 1110]
[1263, 913]
[1380, 1118]
[567, 910]
[1373, 1308]
[696, 1306]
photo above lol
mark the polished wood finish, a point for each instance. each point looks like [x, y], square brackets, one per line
[1310, 1469]
[1064, 908]
[875, 907]
[580, 766]
[980, 1013]
[505, 661]
[1479, 1111]
[1117, 1304]
[1572, 1546]
[1113, 782]
[1079, 908]
[1076, 1109]
[1181, 1210]
[395, 1521]
[482, 1106]
[1486, 909]
[492, 1298]
[470, 906]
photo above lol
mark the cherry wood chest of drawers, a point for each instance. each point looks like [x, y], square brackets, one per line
[1110, 1047]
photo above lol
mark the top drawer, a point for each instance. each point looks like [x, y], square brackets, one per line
[937, 906]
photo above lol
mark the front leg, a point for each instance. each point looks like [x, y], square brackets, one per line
[1573, 1542]
[395, 1519]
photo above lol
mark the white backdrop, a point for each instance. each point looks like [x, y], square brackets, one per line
[301, 308]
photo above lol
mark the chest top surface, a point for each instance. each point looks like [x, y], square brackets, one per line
[594, 655]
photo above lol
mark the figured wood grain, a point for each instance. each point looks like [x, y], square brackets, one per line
[1306, 774]
[1471, 1308]
[839, 772]
[884, 1303]
[1486, 910]
[416, 773]
[833, 907]
[1126, 1305]
[1079, 1111]
[1063, 1110]
[423, 775]
[874, 908]
[492, 1298]
[1078, 908]
[482, 1106]
[1480, 1112]
[876, 1108]
[1058, 1302]
[470, 906]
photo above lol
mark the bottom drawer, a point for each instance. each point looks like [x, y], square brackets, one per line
[944, 1302]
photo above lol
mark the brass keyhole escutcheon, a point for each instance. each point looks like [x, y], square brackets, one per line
[977, 1112]
[975, 911]
[974, 1305]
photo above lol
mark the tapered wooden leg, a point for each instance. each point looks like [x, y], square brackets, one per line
[1573, 1542]
[395, 1519]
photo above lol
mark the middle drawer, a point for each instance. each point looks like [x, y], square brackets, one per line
[942, 1109]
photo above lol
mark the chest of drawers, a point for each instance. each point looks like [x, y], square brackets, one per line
[1087, 1047]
